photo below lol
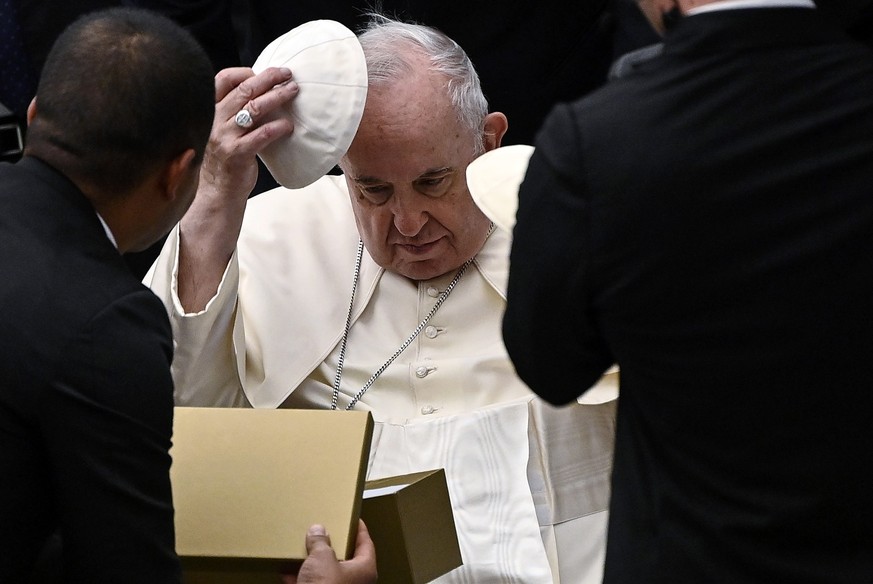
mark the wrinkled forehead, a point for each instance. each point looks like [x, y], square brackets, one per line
[420, 99]
[407, 132]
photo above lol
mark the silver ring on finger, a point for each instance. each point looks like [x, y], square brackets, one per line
[243, 119]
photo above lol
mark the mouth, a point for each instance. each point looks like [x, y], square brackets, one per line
[418, 249]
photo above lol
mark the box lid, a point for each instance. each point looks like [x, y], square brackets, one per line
[247, 483]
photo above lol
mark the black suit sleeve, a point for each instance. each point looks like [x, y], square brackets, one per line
[108, 425]
[547, 328]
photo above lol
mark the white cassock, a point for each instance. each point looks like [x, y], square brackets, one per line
[529, 483]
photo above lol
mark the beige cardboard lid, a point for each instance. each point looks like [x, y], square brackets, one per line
[247, 483]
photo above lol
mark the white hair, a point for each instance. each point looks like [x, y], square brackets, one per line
[383, 40]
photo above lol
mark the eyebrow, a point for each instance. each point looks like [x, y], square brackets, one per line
[371, 180]
[436, 171]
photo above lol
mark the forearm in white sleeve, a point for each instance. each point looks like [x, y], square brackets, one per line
[205, 365]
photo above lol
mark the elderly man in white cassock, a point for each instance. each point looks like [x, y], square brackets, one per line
[383, 289]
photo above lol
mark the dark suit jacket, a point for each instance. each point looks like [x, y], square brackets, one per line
[707, 224]
[86, 398]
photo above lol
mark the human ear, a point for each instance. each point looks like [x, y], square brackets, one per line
[177, 174]
[31, 110]
[494, 128]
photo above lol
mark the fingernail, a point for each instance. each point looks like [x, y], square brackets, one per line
[317, 530]
[285, 71]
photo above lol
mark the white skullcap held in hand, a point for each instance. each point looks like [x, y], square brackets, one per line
[493, 180]
[327, 62]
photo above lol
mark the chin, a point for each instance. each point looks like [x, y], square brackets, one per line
[425, 270]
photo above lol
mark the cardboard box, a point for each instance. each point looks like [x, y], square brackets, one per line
[411, 522]
[248, 483]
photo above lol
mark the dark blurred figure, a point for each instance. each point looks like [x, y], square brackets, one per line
[705, 222]
[27, 31]
[856, 16]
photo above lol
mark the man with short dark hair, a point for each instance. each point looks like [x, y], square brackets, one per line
[117, 135]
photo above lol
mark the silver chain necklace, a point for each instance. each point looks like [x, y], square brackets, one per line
[339, 367]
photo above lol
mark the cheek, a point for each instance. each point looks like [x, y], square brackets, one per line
[460, 214]
[374, 223]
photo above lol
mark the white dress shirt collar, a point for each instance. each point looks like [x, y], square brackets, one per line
[108, 231]
[736, 4]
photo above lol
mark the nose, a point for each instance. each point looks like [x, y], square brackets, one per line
[409, 217]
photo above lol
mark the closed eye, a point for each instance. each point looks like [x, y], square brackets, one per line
[376, 193]
[433, 185]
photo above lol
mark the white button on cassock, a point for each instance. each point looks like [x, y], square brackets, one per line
[427, 410]
[421, 372]
[432, 292]
[430, 332]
